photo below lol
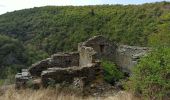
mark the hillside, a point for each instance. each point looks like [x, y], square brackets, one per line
[46, 30]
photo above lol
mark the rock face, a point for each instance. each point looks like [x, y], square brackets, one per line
[82, 68]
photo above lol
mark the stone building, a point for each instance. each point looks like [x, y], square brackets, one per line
[83, 64]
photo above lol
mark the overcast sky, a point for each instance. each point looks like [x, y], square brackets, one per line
[11, 5]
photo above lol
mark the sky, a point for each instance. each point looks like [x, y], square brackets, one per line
[12, 5]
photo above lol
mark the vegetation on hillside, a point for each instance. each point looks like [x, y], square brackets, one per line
[12, 55]
[15, 56]
[54, 29]
[151, 77]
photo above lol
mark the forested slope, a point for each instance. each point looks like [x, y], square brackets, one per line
[46, 30]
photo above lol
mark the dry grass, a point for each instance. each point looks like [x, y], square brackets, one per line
[51, 94]
[122, 95]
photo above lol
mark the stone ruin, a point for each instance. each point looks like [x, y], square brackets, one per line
[82, 67]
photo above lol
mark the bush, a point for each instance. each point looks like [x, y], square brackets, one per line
[111, 72]
[151, 77]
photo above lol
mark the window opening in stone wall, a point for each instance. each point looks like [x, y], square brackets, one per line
[101, 48]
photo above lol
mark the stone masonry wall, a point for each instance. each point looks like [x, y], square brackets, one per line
[128, 56]
[59, 60]
[87, 55]
[87, 73]
[96, 48]
[125, 57]
[103, 47]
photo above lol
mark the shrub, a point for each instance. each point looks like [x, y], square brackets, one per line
[151, 77]
[111, 72]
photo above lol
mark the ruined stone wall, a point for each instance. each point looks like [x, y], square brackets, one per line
[104, 48]
[63, 60]
[84, 64]
[96, 48]
[59, 60]
[128, 56]
[88, 74]
[87, 55]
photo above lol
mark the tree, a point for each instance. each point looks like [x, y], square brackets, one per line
[151, 77]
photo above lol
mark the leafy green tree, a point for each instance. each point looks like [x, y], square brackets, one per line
[34, 55]
[151, 77]
[12, 55]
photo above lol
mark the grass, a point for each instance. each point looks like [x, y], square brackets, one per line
[1, 82]
[55, 94]
[42, 94]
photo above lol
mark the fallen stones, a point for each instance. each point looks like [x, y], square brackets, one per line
[22, 78]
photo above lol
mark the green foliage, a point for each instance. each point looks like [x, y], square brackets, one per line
[34, 55]
[111, 72]
[162, 36]
[1, 82]
[11, 54]
[151, 77]
[53, 29]
[15, 56]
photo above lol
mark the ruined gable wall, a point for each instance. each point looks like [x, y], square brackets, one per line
[96, 48]
[104, 48]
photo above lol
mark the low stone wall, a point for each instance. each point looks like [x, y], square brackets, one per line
[87, 73]
[38, 67]
[63, 60]
[59, 60]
